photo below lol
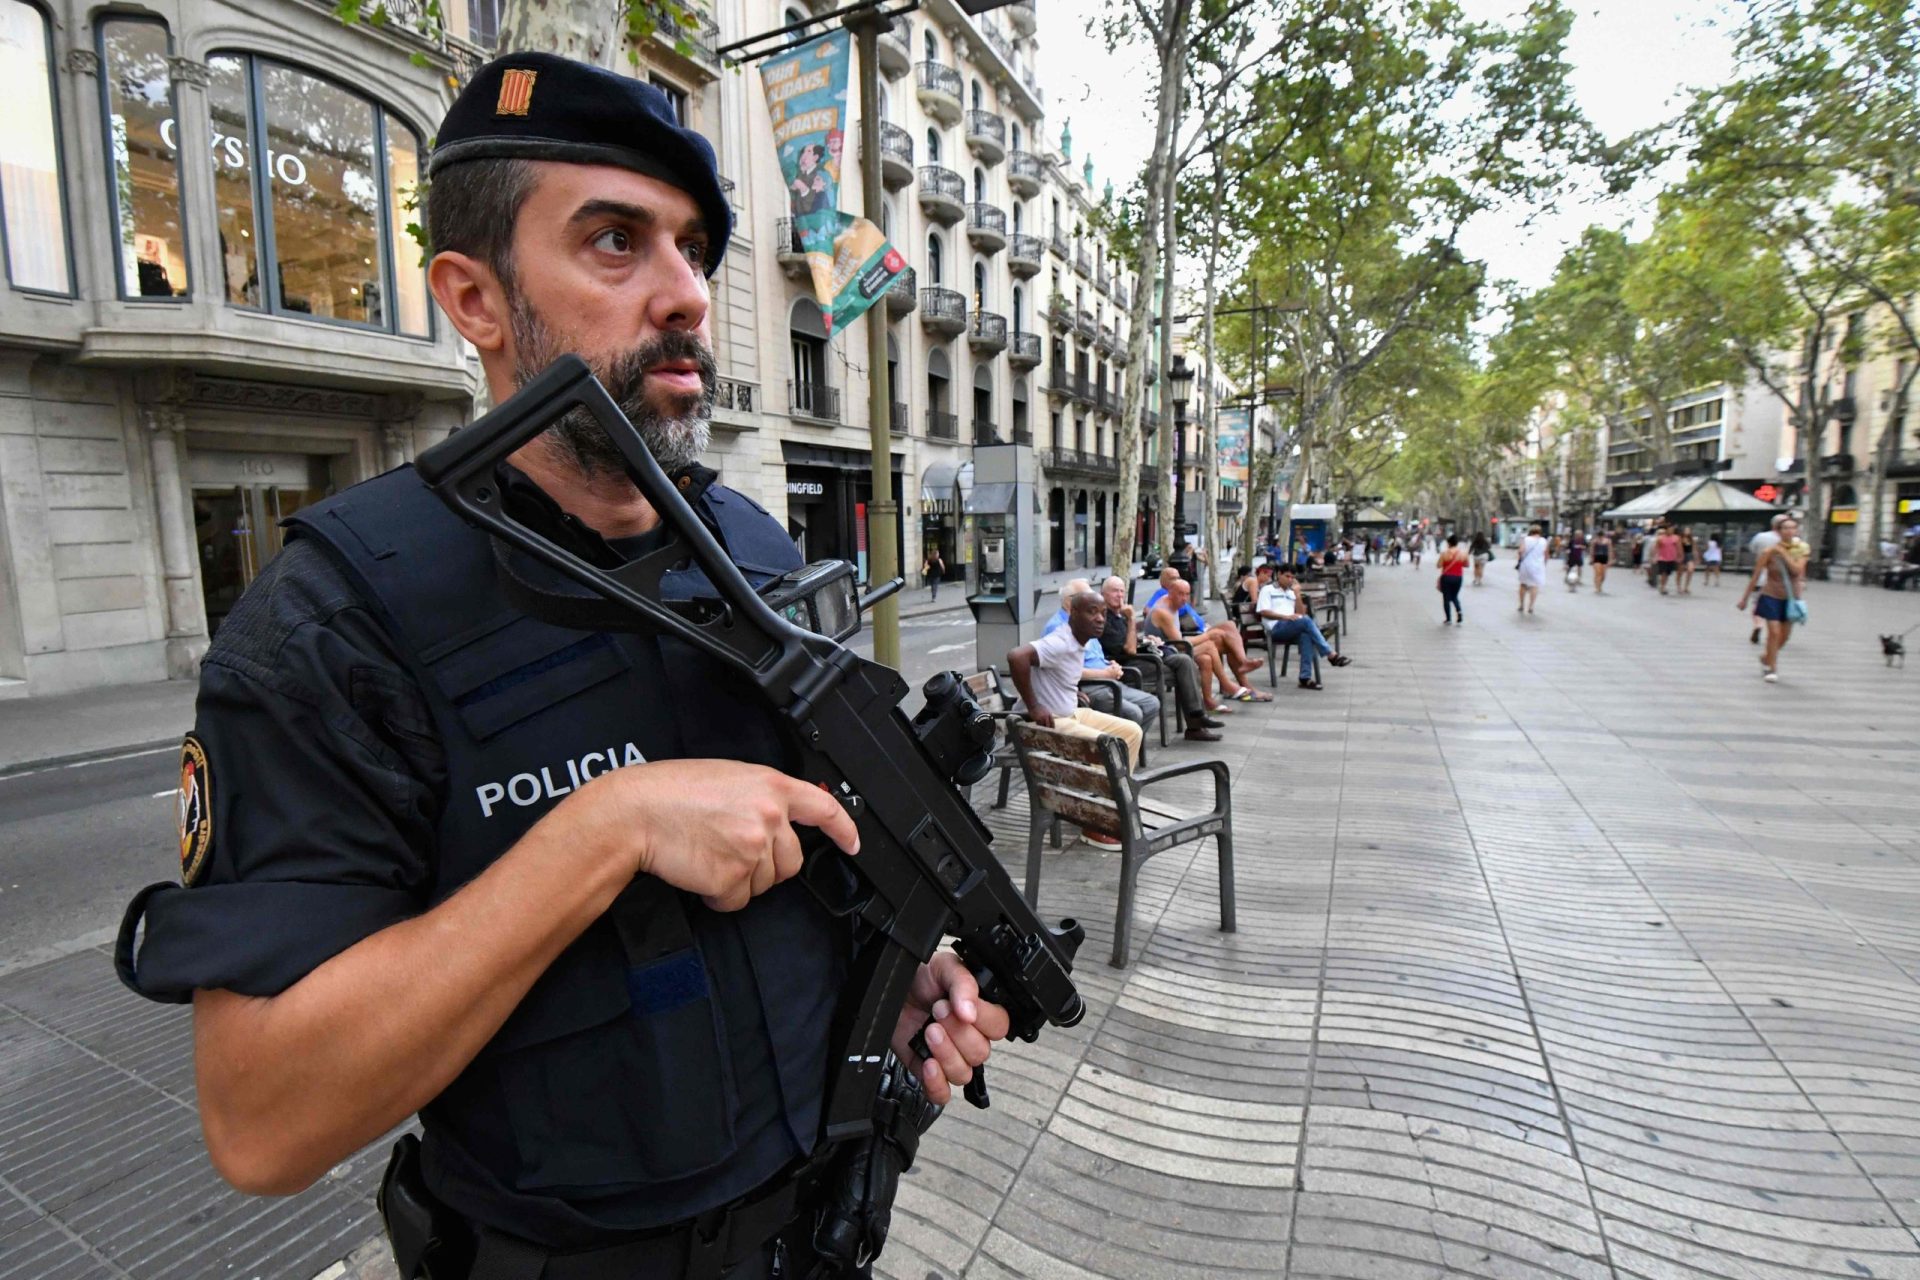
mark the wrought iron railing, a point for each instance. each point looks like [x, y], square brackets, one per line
[813, 400]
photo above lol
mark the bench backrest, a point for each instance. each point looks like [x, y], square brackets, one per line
[1081, 779]
[987, 690]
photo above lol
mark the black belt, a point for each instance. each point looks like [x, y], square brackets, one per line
[702, 1249]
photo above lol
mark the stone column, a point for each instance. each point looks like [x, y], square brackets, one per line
[180, 583]
[194, 126]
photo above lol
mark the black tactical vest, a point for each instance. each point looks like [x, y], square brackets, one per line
[608, 1100]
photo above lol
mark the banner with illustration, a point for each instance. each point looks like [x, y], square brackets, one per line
[1235, 430]
[852, 263]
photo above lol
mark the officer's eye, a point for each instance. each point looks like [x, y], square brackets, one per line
[613, 240]
[695, 252]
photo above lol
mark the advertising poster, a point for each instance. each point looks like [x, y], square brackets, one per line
[851, 261]
[1235, 431]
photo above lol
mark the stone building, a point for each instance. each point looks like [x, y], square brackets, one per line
[214, 312]
[195, 341]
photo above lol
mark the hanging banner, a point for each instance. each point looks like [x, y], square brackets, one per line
[1235, 429]
[852, 263]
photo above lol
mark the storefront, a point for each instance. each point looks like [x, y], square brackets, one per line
[943, 487]
[828, 490]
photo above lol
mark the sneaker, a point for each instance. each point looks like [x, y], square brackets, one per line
[1771, 677]
[1100, 841]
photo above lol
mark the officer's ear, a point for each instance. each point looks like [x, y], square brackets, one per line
[470, 294]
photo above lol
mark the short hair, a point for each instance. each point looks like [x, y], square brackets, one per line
[1453, 539]
[1085, 600]
[1784, 515]
[1113, 580]
[1071, 588]
[472, 208]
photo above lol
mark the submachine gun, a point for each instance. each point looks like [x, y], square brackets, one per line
[925, 870]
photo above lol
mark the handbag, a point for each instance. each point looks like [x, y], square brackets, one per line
[1796, 607]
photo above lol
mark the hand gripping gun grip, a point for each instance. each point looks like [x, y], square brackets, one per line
[925, 868]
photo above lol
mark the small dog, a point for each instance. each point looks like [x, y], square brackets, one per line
[1895, 649]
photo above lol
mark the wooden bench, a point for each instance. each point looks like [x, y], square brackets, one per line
[991, 694]
[1086, 782]
[1253, 633]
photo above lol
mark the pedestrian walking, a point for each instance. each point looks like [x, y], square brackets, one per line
[1756, 545]
[1780, 581]
[1666, 555]
[1453, 571]
[1602, 549]
[1688, 556]
[935, 569]
[1576, 558]
[1482, 552]
[1532, 567]
[1710, 559]
[1413, 549]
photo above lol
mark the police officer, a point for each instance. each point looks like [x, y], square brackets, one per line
[440, 856]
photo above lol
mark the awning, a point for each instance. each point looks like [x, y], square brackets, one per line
[993, 499]
[936, 488]
[964, 479]
[1371, 517]
[1700, 496]
[1313, 511]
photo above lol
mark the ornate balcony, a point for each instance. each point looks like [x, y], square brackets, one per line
[1083, 388]
[1060, 314]
[987, 227]
[896, 156]
[901, 295]
[1060, 248]
[988, 333]
[1103, 342]
[811, 400]
[942, 425]
[943, 194]
[1020, 17]
[1120, 295]
[985, 432]
[938, 87]
[786, 248]
[1024, 173]
[1024, 254]
[1078, 462]
[1023, 351]
[987, 136]
[1119, 356]
[895, 57]
[897, 417]
[1082, 261]
[943, 311]
[1059, 384]
[1083, 325]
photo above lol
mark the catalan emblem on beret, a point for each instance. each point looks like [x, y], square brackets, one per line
[516, 92]
[195, 802]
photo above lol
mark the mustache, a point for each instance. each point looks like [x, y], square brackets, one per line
[625, 375]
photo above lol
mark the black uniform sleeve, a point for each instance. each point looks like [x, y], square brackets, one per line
[322, 784]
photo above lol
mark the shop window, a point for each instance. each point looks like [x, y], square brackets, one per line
[142, 147]
[329, 208]
[34, 226]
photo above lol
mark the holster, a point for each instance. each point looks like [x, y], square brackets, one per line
[428, 1243]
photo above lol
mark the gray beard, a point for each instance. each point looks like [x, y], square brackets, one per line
[675, 437]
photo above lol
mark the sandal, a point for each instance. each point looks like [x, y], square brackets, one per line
[1250, 694]
[1218, 709]
[1339, 660]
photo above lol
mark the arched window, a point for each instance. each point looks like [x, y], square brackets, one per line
[979, 184]
[933, 46]
[332, 197]
[136, 87]
[792, 16]
[809, 394]
[32, 207]
[980, 285]
[1019, 310]
[974, 94]
[935, 274]
[933, 145]
[1017, 219]
[1015, 137]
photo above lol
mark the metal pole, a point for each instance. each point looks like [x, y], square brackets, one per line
[883, 545]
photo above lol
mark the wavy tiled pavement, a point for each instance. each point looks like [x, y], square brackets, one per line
[1566, 949]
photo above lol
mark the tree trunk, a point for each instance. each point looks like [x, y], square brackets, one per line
[1173, 54]
[587, 30]
[1210, 427]
[1164, 448]
[1885, 449]
[1810, 418]
[1260, 472]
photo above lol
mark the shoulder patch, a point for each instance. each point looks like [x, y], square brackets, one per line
[195, 811]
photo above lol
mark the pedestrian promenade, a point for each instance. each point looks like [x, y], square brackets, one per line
[1567, 948]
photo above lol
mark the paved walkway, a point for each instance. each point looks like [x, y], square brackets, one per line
[1567, 948]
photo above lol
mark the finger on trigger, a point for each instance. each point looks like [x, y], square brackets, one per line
[958, 1070]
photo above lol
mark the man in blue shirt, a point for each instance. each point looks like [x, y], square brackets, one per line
[1068, 593]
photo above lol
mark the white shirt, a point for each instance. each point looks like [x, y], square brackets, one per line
[1058, 660]
[1762, 540]
[1277, 599]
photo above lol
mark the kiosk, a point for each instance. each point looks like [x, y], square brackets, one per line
[1004, 510]
[1312, 526]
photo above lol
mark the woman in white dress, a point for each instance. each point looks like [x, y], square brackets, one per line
[1533, 568]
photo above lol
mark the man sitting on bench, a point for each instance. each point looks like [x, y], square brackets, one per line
[1047, 674]
[1288, 622]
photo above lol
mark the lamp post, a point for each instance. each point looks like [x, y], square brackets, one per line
[1179, 386]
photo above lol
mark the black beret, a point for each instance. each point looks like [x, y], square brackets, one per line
[536, 106]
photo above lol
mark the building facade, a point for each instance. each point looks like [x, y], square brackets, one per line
[214, 311]
[197, 340]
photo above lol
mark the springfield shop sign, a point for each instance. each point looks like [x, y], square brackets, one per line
[851, 261]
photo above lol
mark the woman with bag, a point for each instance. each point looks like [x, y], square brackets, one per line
[934, 569]
[1453, 571]
[1532, 568]
[1780, 576]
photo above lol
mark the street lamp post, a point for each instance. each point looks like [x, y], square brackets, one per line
[1179, 386]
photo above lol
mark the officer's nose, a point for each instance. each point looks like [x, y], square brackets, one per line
[680, 300]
